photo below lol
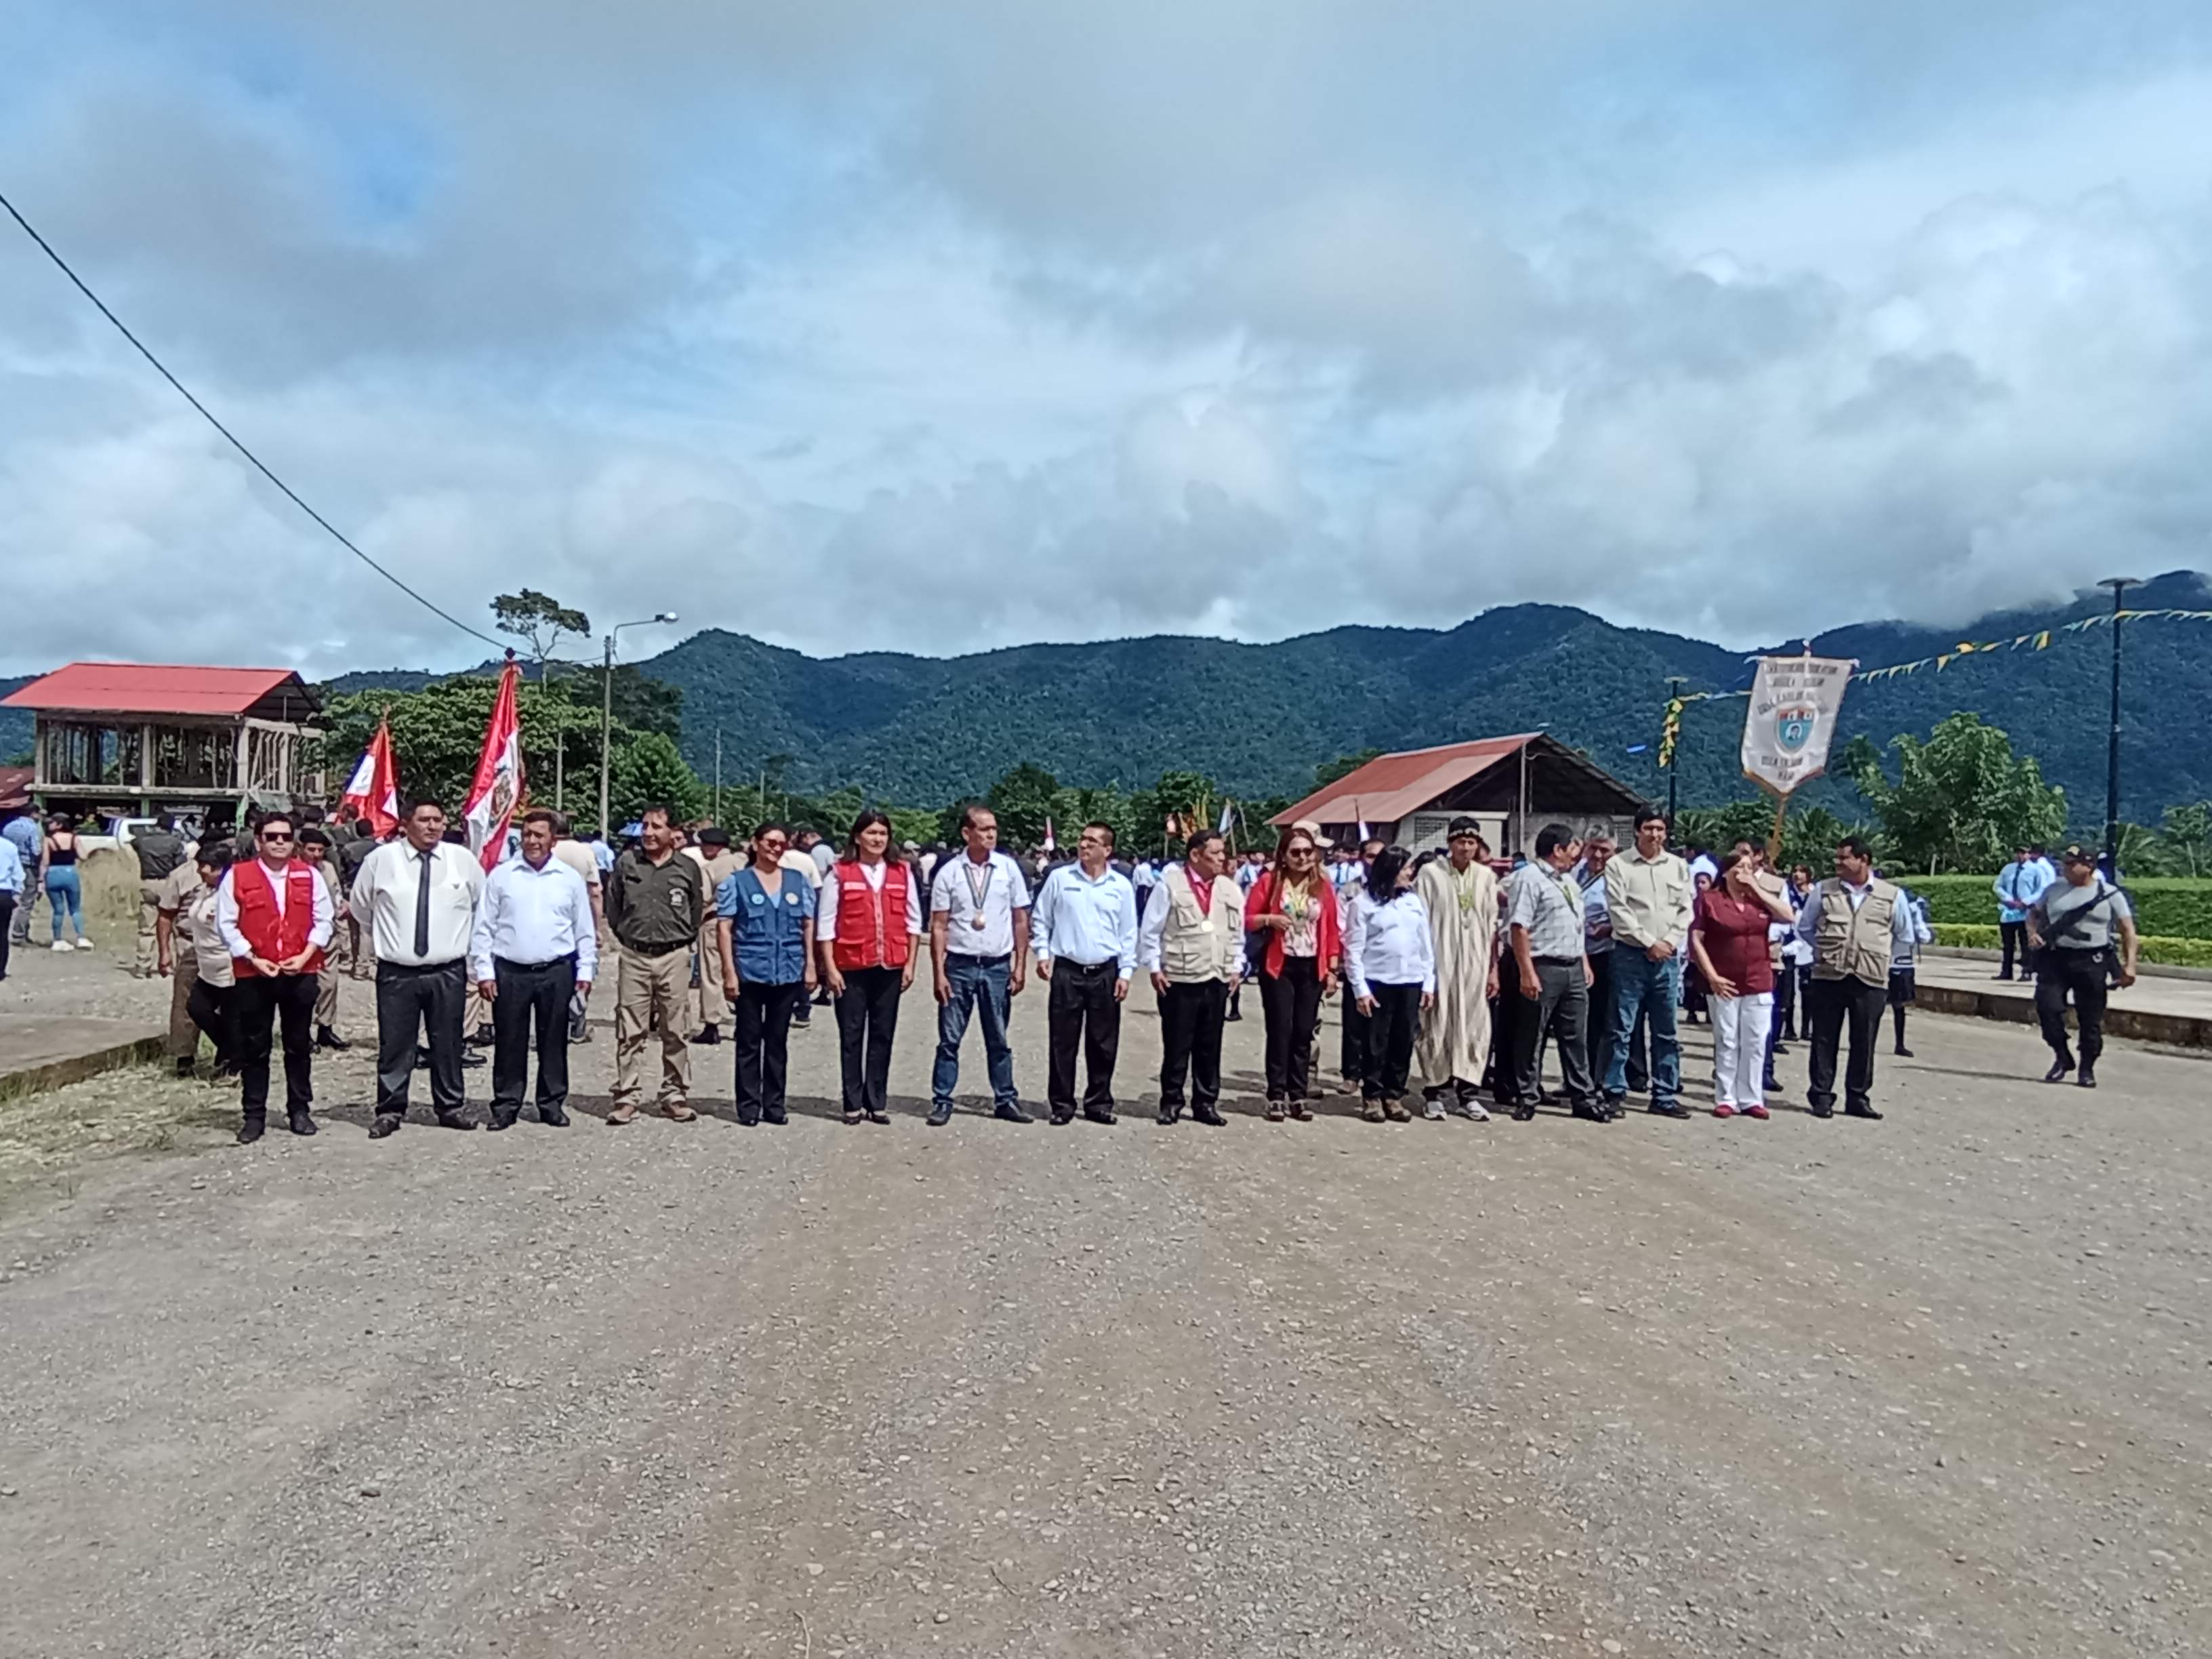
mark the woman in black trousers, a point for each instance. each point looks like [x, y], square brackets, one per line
[868, 930]
[1293, 908]
[1390, 961]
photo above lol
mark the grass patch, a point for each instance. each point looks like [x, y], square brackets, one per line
[50, 1139]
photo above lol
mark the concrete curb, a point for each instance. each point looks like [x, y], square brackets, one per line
[2181, 1030]
[55, 1073]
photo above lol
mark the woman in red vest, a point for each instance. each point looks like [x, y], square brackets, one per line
[867, 927]
[275, 913]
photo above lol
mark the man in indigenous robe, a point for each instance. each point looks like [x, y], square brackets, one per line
[1461, 894]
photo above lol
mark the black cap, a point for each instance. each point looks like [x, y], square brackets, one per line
[2077, 854]
[714, 836]
[1463, 827]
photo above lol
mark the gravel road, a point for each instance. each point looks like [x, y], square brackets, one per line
[1936, 1385]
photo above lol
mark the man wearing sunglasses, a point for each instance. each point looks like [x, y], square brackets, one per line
[275, 915]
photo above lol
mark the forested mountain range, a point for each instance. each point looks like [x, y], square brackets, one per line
[1258, 718]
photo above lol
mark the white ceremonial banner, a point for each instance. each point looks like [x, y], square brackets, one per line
[1795, 702]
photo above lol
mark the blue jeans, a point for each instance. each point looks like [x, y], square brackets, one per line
[64, 894]
[1649, 990]
[978, 984]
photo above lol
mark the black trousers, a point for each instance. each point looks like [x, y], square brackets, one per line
[764, 1017]
[1390, 1031]
[1598, 1024]
[1080, 1007]
[1190, 1035]
[529, 993]
[867, 1019]
[1354, 1047]
[2084, 973]
[1783, 1023]
[1829, 1005]
[2013, 935]
[8, 929]
[1561, 1011]
[428, 1001]
[1291, 1003]
[259, 1006]
[209, 1006]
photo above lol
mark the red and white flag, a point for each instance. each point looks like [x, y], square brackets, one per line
[497, 790]
[374, 792]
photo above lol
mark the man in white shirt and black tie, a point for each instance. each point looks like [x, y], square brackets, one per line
[418, 896]
[533, 949]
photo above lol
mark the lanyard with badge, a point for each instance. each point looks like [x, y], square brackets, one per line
[978, 890]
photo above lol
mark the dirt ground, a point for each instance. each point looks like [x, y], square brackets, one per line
[1934, 1385]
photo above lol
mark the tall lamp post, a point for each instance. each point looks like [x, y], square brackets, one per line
[607, 714]
[2120, 585]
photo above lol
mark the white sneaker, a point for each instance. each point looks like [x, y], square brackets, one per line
[1434, 1111]
[61, 945]
[84, 945]
[1473, 1109]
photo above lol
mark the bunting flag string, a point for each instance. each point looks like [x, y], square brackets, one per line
[1670, 728]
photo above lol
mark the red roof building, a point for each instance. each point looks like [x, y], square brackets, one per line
[147, 737]
[1512, 786]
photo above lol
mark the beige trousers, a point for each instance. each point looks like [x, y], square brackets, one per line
[149, 963]
[183, 973]
[335, 963]
[650, 990]
[713, 1007]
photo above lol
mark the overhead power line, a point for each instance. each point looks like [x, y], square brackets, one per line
[231, 438]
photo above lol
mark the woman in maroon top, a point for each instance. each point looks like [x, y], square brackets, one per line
[1728, 942]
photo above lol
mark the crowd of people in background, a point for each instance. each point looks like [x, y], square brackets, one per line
[1457, 972]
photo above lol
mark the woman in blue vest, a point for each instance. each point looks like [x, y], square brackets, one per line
[766, 931]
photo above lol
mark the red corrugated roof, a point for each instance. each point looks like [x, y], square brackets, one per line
[1390, 785]
[130, 688]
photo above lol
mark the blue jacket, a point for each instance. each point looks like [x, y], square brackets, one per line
[767, 930]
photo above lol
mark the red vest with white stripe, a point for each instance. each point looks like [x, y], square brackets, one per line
[871, 925]
[275, 936]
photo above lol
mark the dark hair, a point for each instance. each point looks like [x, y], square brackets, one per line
[1376, 842]
[312, 836]
[659, 806]
[1736, 856]
[416, 803]
[312, 815]
[268, 818]
[563, 824]
[1201, 840]
[868, 819]
[760, 830]
[1107, 831]
[968, 813]
[1382, 874]
[1857, 848]
[215, 855]
[544, 815]
[1551, 838]
[1648, 815]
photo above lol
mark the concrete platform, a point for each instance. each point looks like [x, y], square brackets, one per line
[46, 1053]
[2154, 1009]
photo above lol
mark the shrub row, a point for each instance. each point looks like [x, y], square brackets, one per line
[2168, 906]
[2167, 951]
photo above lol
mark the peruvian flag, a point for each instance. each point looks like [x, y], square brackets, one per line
[374, 792]
[497, 790]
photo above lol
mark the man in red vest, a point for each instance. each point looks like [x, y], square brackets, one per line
[274, 914]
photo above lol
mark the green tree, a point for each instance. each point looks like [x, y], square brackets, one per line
[2187, 833]
[1023, 798]
[647, 769]
[539, 619]
[1961, 801]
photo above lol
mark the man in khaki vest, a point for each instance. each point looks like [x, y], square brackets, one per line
[1193, 941]
[1852, 921]
[710, 849]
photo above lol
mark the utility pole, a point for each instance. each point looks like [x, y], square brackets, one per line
[2120, 585]
[718, 777]
[607, 714]
[1674, 684]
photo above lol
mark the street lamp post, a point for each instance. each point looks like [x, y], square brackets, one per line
[2120, 585]
[607, 714]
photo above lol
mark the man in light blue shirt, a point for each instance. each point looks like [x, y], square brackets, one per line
[2018, 886]
[22, 833]
[12, 880]
[1083, 932]
[534, 950]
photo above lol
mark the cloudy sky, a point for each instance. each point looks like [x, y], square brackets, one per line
[862, 325]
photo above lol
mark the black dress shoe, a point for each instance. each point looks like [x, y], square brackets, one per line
[1107, 1118]
[710, 1036]
[250, 1131]
[387, 1124]
[1209, 1115]
[779, 1115]
[1867, 1112]
[1589, 1115]
[1821, 1111]
[2087, 1079]
[940, 1115]
[497, 1121]
[327, 1038]
[471, 1059]
[879, 1117]
[301, 1124]
[1170, 1114]
[1668, 1108]
[185, 1065]
[455, 1121]
[1902, 1052]
[553, 1117]
[748, 1119]
[2060, 1071]
[483, 1037]
[1521, 1113]
[1230, 1018]
[1061, 1117]
[1011, 1112]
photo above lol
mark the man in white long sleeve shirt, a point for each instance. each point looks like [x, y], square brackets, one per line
[1083, 933]
[1192, 942]
[418, 896]
[274, 914]
[534, 948]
